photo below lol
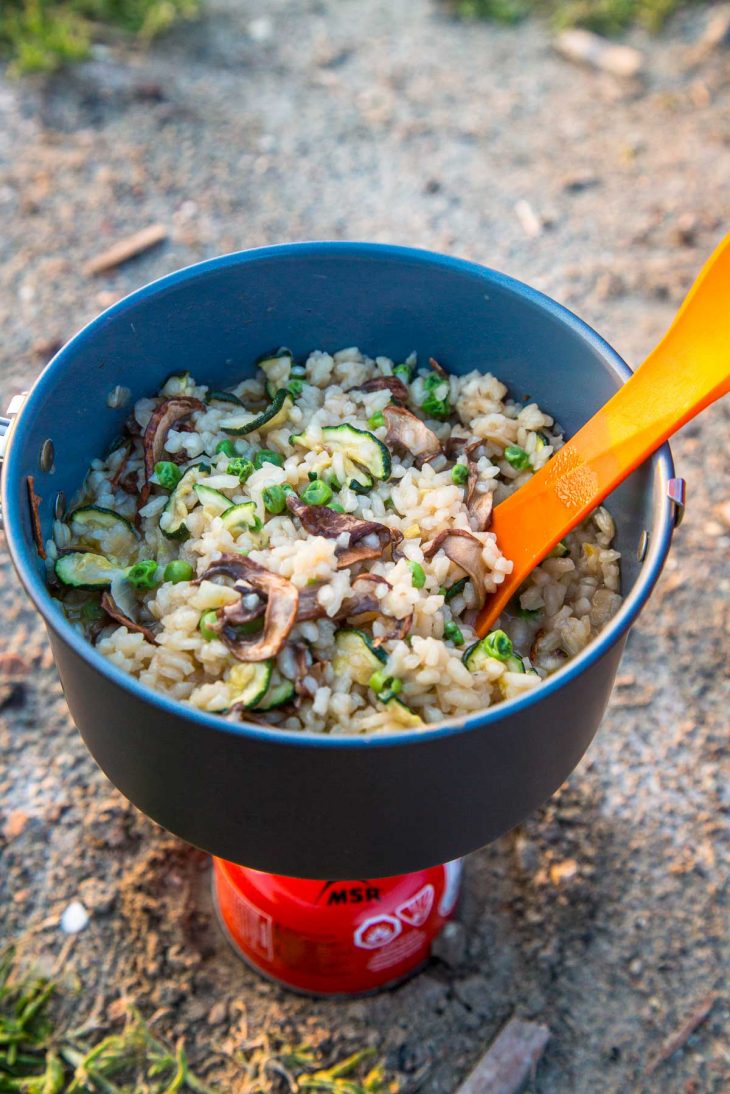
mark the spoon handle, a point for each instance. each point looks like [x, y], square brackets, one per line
[687, 371]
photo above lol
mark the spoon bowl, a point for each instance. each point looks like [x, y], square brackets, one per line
[687, 371]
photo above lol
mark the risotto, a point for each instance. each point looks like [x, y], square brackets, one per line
[310, 548]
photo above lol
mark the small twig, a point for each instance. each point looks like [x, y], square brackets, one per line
[680, 1036]
[125, 249]
[35, 519]
[509, 1061]
[63, 956]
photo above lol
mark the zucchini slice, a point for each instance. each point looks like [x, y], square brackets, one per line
[277, 695]
[104, 529]
[247, 683]
[357, 478]
[85, 570]
[475, 657]
[237, 517]
[211, 499]
[182, 499]
[276, 367]
[356, 445]
[455, 589]
[403, 714]
[238, 425]
[223, 397]
[356, 655]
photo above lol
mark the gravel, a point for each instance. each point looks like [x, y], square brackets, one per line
[604, 916]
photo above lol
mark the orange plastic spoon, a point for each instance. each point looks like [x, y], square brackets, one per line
[687, 371]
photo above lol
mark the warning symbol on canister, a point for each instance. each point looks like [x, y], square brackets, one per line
[415, 911]
[376, 932]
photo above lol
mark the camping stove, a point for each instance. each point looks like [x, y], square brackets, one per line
[334, 937]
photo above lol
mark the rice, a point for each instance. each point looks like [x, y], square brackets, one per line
[421, 612]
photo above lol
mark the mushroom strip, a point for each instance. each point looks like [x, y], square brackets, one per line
[399, 630]
[235, 615]
[163, 419]
[392, 384]
[321, 521]
[303, 661]
[465, 550]
[480, 509]
[111, 609]
[359, 602]
[407, 431]
[281, 607]
[35, 520]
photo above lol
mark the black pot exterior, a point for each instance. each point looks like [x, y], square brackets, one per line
[310, 805]
[335, 813]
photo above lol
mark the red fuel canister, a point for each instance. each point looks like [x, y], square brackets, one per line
[334, 937]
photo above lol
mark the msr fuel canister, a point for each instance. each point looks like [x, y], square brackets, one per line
[335, 937]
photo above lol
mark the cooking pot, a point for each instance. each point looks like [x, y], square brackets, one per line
[304, 804]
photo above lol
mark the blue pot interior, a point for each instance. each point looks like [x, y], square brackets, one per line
[216, 319]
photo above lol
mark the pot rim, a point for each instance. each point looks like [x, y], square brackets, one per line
[659, 540]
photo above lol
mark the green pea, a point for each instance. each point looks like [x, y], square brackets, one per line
[205, 624]
[336, 506]
[142, 574]
[453, 634]
[418, 575]
[497, 644]
[403, 371]
[294, 387]
[227, 447]
[178, 570]
[241, 467]
[436, 408]
[459, 473]
[275, 499]
[436, 405]
[433, 381]
[376, 420]
[377, 680]
[384, 686]
[265, 455]
[391, 689]
[168, 474]
[516, 457]
[317, 493]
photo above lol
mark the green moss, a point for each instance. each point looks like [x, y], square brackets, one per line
[41, 1055]
[603, 16]
[43, 35]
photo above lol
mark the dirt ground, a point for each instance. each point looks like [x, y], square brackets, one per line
[605, 915]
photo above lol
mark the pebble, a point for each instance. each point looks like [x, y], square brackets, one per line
[528, 218]
[590, 49]
[218, 1013]
[74, 918]
[15, 824]
[563, 871]
[450, 946]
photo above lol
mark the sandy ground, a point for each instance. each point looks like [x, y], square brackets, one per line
[385, 120]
